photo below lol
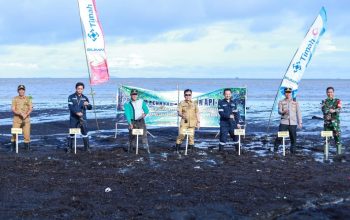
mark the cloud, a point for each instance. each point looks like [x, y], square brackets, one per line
[198, 38]
[47, 22]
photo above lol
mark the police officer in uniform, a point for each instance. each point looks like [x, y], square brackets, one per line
[189, 113]
[78, 104]
[22, 107]
[331, 108]
[229, 118]
[290, 119]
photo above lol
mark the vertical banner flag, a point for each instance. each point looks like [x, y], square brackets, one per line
[304, 54]
[94, 42]
[301, 58]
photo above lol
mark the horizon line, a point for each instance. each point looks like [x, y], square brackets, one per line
[170, 78]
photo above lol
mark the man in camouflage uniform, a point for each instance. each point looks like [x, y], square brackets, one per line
[189, 113]
[331, 108]
[22, 108]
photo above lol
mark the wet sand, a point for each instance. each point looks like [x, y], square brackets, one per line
[47, 183]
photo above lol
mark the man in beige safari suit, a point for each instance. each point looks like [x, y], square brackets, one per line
[21, 107]
[290, 119]
[189, 113]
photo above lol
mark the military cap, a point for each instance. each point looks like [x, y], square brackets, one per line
[134, 92]
[21, 87]
[288, 90]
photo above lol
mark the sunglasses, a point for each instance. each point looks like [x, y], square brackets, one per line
[188, 94]
[134, 94]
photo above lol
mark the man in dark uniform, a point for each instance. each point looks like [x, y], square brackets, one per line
[229, 118]
[78, 103]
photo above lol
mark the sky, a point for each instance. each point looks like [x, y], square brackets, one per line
[174, 38]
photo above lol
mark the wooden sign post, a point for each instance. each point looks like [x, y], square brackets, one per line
[75, 131]
[239, 132]
[326, 134]
[137, 132]
[187, 132]
[16, 131]
[283, 135]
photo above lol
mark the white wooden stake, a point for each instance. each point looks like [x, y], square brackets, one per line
[239, 144]
[75, 143]
[75, 132]
[137, 144]
[137, 132]
[283, 135]
[16, 131]
[326, 134]
[239, 132]
[326, 149]
[16, 143]
[186, 144]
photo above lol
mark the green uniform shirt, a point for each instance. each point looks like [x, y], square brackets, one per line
[331, 119]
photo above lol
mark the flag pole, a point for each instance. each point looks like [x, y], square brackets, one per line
[87, 65]
[274, 103]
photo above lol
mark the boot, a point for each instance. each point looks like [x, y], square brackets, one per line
[13, 147]
[86, 144]
[146, 147]
[177, 146]
[69, 145]
[275, 148]
[191, 146]
[211, 147]
[236, 146]
[339, 149]
[221, 147]
[27, 146]
[292, 149]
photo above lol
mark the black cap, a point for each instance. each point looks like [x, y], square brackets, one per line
[21, 87]
[134, 92]
[288, 90]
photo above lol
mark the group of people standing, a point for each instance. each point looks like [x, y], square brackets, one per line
[136, 110]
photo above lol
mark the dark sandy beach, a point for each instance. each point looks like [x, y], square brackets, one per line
[47, 183]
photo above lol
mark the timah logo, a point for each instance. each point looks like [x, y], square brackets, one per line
[296, 66]
[93, 35]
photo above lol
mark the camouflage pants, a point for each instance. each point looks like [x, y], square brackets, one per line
[336, 135]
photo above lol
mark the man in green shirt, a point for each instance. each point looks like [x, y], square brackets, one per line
[331, 108]
[135, 111]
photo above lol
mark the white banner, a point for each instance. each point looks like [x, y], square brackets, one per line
[94, 42]
[304, 54]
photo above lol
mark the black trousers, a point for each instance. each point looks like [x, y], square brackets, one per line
[79, 123]
[227, 127]
[292, 135]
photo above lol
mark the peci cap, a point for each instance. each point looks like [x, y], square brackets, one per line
[288, 90]
[134, 92]
[21, 87]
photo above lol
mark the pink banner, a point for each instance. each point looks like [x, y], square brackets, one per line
[94, 42]
[99, 73]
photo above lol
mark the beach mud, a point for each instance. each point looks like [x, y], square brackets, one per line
[110, 183]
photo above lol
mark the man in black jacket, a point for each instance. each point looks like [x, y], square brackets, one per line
[78, 104]
[229, 118]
